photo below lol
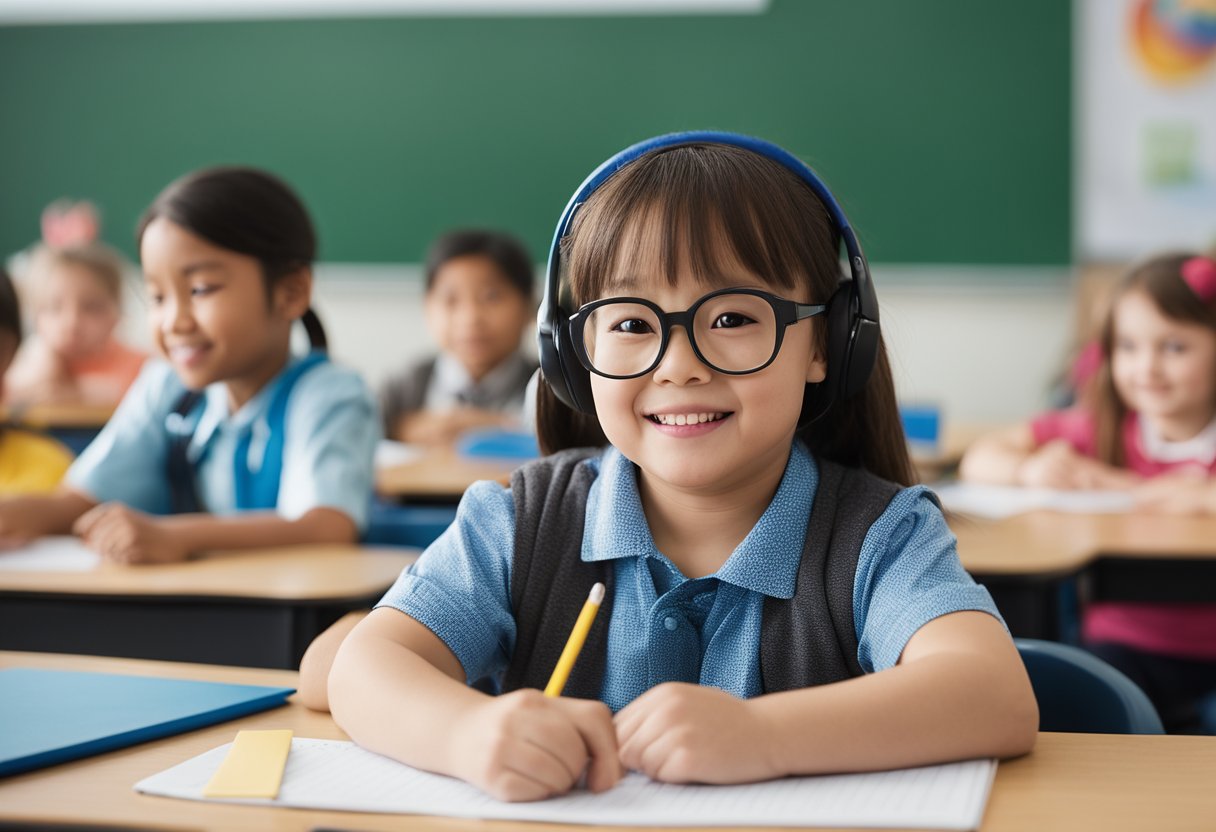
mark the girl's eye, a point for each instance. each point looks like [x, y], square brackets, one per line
[1175, 346]
[633, 326]
[202, 290]
[731, 320]
[1124, 345]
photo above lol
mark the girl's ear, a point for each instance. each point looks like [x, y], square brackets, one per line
[817, 370]
[293, 293]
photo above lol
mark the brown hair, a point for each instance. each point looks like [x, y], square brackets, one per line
[1160, 279]
[98, 258]
[697, 200]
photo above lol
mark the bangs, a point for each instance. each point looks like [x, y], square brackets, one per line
[698, 208]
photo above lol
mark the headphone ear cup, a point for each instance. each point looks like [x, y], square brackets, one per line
[840, 341]
[562, 371]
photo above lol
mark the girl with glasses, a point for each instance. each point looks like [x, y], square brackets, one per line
[780, 599]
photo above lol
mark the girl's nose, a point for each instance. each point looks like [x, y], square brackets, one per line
[176, 316]
[680, 364]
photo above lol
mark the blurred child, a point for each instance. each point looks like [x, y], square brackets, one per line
[76, 295]
[1151, 429]
[29, 463]
[779, 599]
[478, 305]
[241, 442]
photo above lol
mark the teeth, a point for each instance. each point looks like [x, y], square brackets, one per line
[686, 418]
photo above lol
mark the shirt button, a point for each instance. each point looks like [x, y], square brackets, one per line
[671, 622]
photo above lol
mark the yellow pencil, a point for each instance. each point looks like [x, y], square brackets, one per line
[575, 643]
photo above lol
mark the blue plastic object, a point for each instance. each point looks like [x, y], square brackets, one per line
[1079, 692]
[498, 444]
[51, 716]
[397, 525]
[922, 423]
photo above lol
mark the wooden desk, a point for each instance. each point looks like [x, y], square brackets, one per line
[440, 476]
[57, 416]
[255, 608]
[1026, 558]
[1070, 781]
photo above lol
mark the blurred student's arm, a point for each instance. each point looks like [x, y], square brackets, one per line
[23, 519]
[444, 427]
[397, 689]
[1012, 457]
[1182, 493]
[124, 535]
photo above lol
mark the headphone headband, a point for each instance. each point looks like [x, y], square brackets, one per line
[561, 367]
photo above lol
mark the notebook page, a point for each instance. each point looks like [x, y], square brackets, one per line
[334, 775]
[50, 554]
[997, 501]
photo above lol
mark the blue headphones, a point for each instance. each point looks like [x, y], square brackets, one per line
[852, 310]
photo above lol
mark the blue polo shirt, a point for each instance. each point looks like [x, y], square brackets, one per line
[330, 435]
[665, 626]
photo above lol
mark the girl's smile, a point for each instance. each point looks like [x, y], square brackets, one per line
[688, 422]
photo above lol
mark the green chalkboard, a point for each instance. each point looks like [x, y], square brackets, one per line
[943, 125]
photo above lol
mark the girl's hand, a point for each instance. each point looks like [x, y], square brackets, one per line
[123, 535]
[1178, 494]
[526, 746]
[1057, 465]
[682, 733]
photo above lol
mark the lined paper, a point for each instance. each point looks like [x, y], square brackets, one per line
[997, 501]
[335, 775]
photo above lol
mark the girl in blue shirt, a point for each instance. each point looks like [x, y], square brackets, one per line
[231, 442]
[717, 346]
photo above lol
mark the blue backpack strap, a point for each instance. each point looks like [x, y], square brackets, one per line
[260, 489]
[180, 424]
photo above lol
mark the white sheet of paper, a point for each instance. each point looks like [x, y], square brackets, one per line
[997, 501]
[390, 454]
[50, 554]
[335, 775]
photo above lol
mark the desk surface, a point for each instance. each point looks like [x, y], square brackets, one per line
[50, 416]
[1049, 543]
[1071, 781]
[290, 573]
[440, 475]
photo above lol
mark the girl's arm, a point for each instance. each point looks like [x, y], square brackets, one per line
[398, 690]
[24, 518]
[125, 535]
[997, 457]
[1011, 457]
[959, 691]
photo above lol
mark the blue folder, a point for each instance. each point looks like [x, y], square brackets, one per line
[51, 716]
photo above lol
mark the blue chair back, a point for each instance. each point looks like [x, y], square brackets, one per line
[389, 524]
[1079, 692]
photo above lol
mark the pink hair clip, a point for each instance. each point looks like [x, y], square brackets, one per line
[1200, 274]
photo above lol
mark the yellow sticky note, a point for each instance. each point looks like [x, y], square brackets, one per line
[253, 766]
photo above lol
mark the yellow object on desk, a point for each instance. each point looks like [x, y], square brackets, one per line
[574, 644]
[253, 766]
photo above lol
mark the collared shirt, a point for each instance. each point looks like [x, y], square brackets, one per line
[666, 627]
[330, 429]
[500, 389]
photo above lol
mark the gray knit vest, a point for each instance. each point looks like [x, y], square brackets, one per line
[807, 640]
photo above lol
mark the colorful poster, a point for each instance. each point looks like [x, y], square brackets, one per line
[1146, 134]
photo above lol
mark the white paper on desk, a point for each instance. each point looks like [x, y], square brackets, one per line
[390, 454]
[50, 554]
[997, 501]
[335, 775]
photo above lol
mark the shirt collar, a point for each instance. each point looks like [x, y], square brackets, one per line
[454, 383]
[1200, 448]
[767, 559]
[216, 416]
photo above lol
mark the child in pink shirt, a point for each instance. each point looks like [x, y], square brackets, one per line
[76, 295]
[1151, 428]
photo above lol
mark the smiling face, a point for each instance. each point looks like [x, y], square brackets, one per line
[693, 429]
[74, 313]
[475, 313]
[1163, 368]
[209, 312]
